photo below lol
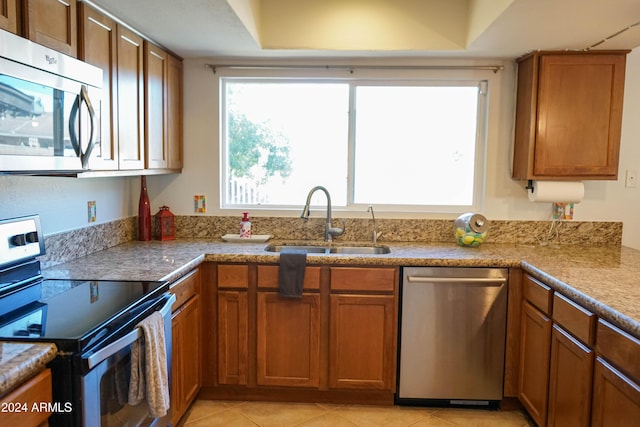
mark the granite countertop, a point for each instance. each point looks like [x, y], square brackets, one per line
[602, 278]
[20, 361]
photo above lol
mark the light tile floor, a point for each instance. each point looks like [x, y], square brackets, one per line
[213, 413]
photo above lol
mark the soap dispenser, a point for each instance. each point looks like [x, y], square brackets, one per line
[245, 226]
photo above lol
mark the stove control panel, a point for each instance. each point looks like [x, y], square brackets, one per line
[20, 239]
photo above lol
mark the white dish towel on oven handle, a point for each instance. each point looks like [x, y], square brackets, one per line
[149, 367]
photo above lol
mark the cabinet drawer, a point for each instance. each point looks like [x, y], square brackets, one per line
[35, 391]
[363, 279]
[268, 277]
[233, 276]
[577, 320]
[619, 348]
[185, 288]
[538, 294]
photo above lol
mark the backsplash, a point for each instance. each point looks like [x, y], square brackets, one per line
[66, 246]
[62, 247]
[396, 230]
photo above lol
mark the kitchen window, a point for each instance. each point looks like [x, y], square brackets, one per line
[410, 145]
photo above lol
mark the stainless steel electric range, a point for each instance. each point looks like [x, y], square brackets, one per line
[92, 322]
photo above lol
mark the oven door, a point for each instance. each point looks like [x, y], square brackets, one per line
[105, 388]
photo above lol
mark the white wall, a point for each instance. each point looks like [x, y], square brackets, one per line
[62, 202]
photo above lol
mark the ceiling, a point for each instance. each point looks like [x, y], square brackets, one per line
[379, 28]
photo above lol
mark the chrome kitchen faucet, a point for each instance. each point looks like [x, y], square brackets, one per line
[329, 231]
[374, 233]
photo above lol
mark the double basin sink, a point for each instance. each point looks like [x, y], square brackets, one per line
[344, 250]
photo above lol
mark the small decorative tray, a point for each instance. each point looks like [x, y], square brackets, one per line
[255, 238]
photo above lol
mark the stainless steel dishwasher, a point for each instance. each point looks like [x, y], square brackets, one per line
[452, 336]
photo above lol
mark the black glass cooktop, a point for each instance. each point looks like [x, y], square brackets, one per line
[76, 314]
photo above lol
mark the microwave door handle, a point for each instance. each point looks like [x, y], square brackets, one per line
[83, 96]
[84, 157]
[73, 136]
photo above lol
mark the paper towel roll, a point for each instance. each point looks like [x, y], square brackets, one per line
[557, 191]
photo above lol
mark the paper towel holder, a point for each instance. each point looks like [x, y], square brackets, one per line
[529, 185]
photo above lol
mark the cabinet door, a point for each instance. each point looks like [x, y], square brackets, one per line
[616, 398]
[362, 342]
[130, 99]
[155, 86]
[18, 403]
[52, 23]
[569, 115]
[186, 356]
[233, 344]
[533, 379]
[8, 16]
[98, 41]
[570, 380]
[579, 115]
[174, 113]
[288, 340]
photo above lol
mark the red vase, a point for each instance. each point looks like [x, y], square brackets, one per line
[144, 212]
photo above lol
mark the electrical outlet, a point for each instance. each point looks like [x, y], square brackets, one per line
[632, 179]
[91, 211]
[199, 203]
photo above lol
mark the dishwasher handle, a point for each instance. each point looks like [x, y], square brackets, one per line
[486, 281]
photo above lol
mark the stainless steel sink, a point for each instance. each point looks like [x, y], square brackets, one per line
[345, 250]
[308, 248]
[356, 250]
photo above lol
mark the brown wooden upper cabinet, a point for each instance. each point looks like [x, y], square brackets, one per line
[130, 68]
[569, 115]
[9, 16]
[174, 113]
[163, 108]
[52, 23]
[98, 41]
[155, 87]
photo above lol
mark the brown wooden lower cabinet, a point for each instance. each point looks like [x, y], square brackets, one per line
[186, 324]
[327, 346]
[361, 343]
[186, 356]
[533, 381]
[570, 379]
[288, 352]
[616, 398]
[233, 341]
[35, 391]
[579, 370]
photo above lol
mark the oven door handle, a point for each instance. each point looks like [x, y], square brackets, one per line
[111, 349]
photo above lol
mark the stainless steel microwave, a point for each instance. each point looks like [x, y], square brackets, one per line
[50, 107]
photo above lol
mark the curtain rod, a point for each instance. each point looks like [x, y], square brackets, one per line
[494, 68]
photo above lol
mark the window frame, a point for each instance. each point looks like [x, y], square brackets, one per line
[390, 77]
